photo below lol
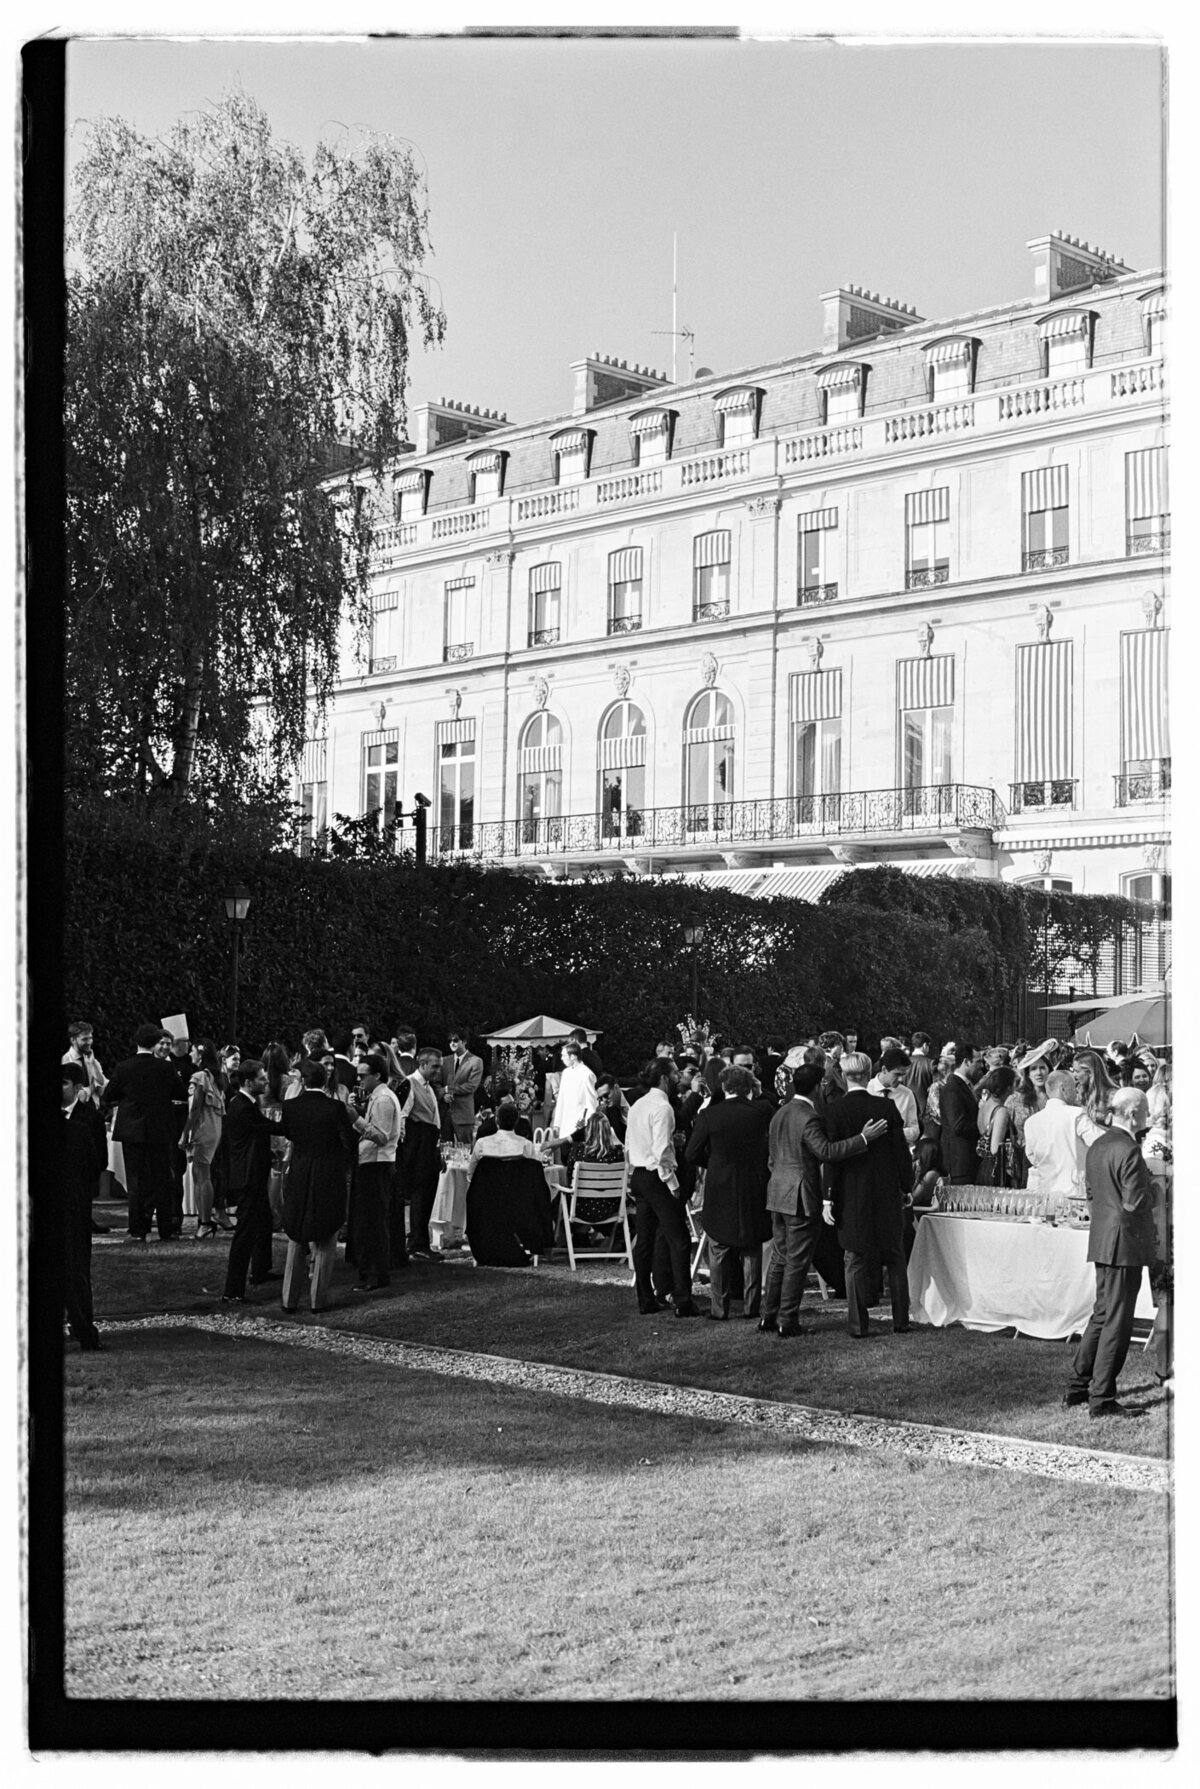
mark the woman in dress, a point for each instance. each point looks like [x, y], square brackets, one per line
[995, 1128]
[283, 1082]
[1094, 1089]
[1028, 1097]
[202, 1131]
[576, 1099]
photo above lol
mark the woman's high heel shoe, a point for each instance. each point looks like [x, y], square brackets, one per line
[204, 1231]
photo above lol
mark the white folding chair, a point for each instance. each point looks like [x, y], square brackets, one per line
[598, 1180]
[699, 1239]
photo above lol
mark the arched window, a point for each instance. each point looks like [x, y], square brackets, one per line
[539, 779]
[707, 760]
[621, 771]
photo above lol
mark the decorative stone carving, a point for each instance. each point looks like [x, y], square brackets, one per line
[1152, 605]
[847, 854]
[1042, 862]
[1044, 621]
[541, 692]
[454, 698]
[815, 648]
[501, 557]
[708, 670]
[1153, 855]
[379, 710]
[925, 638]
[622, 678]
[765, 506]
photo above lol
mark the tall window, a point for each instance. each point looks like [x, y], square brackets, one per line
[737, 412]
[816, 581]
[539, 778]
[925, 701]
[710, 575]
[385, 620]
[456, 784]
[381, 772]
[621, 771]
[625, 591]
[817, 735]
[314, 798]
[460, 610]
[571, 450]
[927, 530]
[650, 433]
[1147, 509]
[410, 491]
[1146, 956]
[843, 391]
[1067, 343]
[950, 368]
[1045, 766]
[708, 761]
[486, 473]
[1044, 496]
[545, 592]
[1145, 722]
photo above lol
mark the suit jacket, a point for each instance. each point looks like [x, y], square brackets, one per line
[248, 1134]
[730, 1137]
[920, 1074]
[1120, 1193]
[324, 1144]
[85, 1151]
[796, 1147]
[144, 1089]
[461, 1081]
[868, 1190]
[960, 1129]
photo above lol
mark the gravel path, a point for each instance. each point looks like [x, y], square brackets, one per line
[1076, 1465]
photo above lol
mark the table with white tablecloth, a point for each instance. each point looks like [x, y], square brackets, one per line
[448, 1219]
[987, 1273]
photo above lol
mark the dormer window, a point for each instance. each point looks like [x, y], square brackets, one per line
[485, 470]
[572, 451]
[651, 433]
[1067, 343]
[1154, 317]
[843, 391]
[737, 412]
[950, 368]
[410, 492]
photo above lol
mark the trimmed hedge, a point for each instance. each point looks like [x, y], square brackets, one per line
[334, 942]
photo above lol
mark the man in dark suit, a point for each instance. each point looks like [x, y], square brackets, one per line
[324, 1144]
[960, 1122]
[796, 1147]
[85, 1155]
[865, 1197]
[249, 1132]
[462, 1074]
[143, 1089]
[1121, 1241]
[730, 1139]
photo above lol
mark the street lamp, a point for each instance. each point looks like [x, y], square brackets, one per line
[237, 905]
[693, 937]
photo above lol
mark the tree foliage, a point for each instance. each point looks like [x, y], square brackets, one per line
[239, 325]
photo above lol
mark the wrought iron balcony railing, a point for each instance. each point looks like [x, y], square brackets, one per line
[1045, 559]
[624, 624]
[1030, 797]
[543, 636]
[717, 610]
[816, 593]
[930, 808]
[1143, 785]
[462, 649]
[1148, 537]
[923, 577]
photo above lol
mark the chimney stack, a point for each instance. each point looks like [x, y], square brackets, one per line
[853, 315]
[600, 380]
[442, 424]
[1063, 264]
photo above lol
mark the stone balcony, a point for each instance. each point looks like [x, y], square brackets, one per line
[1000, 414]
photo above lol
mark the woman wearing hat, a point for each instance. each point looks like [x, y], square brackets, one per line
[1028, 1097]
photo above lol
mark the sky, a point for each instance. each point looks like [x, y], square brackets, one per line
[558, 172]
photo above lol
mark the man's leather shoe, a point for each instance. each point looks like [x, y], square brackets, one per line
[688, 1310]
[1072, 1398]
[1113, 1409]
[265, 1277]
[767, 1326]
[901, 1329]
[651, 1310]
[232, 1298]
[96, 1347]
[788, 1329]
[860, 1335]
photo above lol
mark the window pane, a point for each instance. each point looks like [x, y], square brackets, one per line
[374, 754]
[806, 758]
[699, 773]
[811, 558]
[831, 757]
[393, 754]
[1036, 528]
[1057, 519]
[939, 765]
[914, 747]
[389, 795]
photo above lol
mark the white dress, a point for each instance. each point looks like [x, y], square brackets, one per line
[576, 1099]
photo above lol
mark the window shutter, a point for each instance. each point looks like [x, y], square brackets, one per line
[455, 732]
[926, 682]
[1145, 729]
[817, 696]
[927, 506]
[1146, 483]
[1044, 489]
[1045, 712]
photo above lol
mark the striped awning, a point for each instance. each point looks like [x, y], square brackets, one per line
[816, 696]
[455, 732]
[620, 754]
[486, 459]
[411, 482]
[461, 584]
[1146, 483]
[384, 600]
[534, 758]
[625, 566]
[738, 397]
[312, 761]
[925, 682]
[711, 549]
[1145, 729]
[570, 440]
[707, 735]
[545, 577]
[848, 372]
[1155, 304]
[650, 422]
[1044, 489]
[808, 882]
[1066, 323]
[951, 353]
[927, 506]
[382, 736]
[817, 518]
[1045, 712]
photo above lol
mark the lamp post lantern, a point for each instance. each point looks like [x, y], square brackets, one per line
[693, 937]
[237, 905]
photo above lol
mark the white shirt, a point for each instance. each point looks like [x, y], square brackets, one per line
[1056, 1147]
[383, 1120]
[576, 1099]
[91, 1068]
[650, 1134]
[505, 1144]
[905, 1103]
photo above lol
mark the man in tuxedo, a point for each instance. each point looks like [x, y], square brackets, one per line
[85, 1153]
[420, 1159]
[587, 1055]
[864, 1197]
[960, 1120]
[144, 1089]
[461, 1076]
[1121, 1241]
[730, 1139]
[249, 1132]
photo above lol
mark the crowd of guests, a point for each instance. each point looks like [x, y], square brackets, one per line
[818, 1150]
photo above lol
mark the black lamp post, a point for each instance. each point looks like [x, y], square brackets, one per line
[423, 803]
[693, 937]
[237, 905]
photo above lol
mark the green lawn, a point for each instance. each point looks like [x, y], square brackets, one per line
[251, 1520]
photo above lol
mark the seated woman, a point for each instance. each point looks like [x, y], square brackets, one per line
[595, 1141]
[503, 1141]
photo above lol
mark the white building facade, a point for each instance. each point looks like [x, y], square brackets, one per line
[901, 601]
